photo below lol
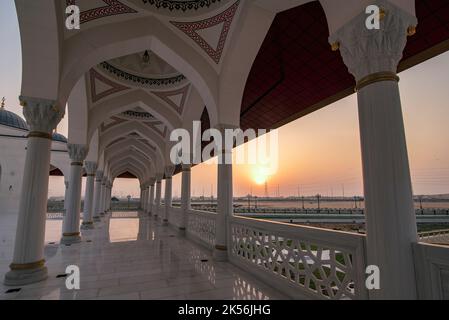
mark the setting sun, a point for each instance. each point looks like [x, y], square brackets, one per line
[259, 175]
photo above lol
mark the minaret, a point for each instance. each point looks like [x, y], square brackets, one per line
[3, 103]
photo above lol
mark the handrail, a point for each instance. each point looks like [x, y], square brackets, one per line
[300, 261]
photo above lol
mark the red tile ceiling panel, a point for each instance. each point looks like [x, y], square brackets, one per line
[296, 69]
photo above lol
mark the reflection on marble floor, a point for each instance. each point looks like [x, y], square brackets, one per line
[132, 258]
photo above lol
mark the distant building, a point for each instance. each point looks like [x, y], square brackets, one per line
[13, 142]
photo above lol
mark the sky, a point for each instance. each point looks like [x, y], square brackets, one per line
[319, 153]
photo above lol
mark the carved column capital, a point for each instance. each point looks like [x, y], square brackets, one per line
[366, 52]
[169, 170]
[91, 167]
[77, 152]
[99, 175]
[159, 177]
[42, 115]
[152, 181]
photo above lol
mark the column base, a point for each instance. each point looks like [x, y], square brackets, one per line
[87, 225]
[97, 219]
[102, 214]
[70, 238]
[21, 277]
[220, 253]
[165, 222]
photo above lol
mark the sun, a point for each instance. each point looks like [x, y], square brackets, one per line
[259, 175]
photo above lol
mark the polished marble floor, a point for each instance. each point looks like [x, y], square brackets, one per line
[129, 256]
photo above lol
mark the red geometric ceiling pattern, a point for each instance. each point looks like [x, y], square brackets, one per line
[111, 86]
[191, 29]
[112, 8]
[296, 72]
[167, 96]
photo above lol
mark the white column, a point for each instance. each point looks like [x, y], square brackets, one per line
[185, 197]
[158, 196]
[224, 203]
[169, 170]
[372, 57]
[88, 213]
[141, 199]
[151, 197]
[28, 265]
[145, 197]
[103, 196]
[71, 223]
[66, 193]
[97, 195]
[108, 196]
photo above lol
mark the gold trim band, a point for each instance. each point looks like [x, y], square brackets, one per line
[42, 135]
[72, 234]
[79, 164]
[221, 248]
[27, 266]
[376, 77]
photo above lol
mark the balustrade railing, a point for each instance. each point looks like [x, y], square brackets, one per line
[432, 271]
[300, 261]
[201, 227]
[435, 237]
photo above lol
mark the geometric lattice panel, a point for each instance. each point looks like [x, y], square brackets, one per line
[324, 272]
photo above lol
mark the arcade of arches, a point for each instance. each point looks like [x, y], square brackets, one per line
[136, 70]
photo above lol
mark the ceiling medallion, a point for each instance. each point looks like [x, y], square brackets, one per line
[183, 5]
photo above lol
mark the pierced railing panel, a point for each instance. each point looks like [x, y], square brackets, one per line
[201, 226]
[301, 261]
[436, 237]
[432, 271]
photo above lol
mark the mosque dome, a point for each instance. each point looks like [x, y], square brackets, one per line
[59, 137]
[10, 119]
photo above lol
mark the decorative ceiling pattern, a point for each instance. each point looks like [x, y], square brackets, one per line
[210, 34]
[114, 121]
[147, 143]
[140, 80]
[111, 8]
[138, 115]
[115, 141]
[183, 5]
[101, 87]
[158, 127]
[146, 64]
[175, 99]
